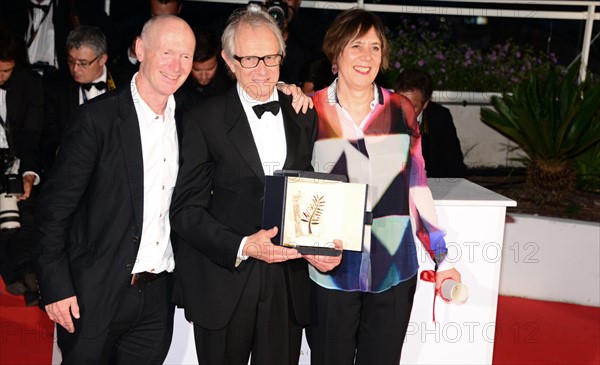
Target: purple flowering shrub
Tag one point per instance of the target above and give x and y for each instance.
(458, 66)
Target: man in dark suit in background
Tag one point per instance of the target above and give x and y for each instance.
(88, 77)
(130, 28)
(21, 122)
(299, 36)
(44, 25)
(243, 293)
(103, 249)
(439, 142)
(209, 76)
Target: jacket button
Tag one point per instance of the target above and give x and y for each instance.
(129, 267)
(136, 239)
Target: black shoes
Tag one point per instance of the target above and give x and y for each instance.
(27, 287)
(16, 288)
(32, 295)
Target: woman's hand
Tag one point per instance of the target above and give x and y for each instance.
(326, 263)
(440, 276)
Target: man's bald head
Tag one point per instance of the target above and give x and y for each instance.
(165, 50)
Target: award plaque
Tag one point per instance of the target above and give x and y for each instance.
(312, 209)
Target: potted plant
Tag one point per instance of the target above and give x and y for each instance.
(554, 119)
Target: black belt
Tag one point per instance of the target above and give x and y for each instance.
(146, 277)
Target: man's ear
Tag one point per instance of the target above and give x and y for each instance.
(139, 45)
(103, 59)
(228, 62)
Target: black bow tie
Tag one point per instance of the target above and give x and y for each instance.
(271, 106)
(4, 86)
(101, 85)
(44, 8)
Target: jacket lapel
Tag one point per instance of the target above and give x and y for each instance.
(131, 145)
(292, 132)
(240, 133)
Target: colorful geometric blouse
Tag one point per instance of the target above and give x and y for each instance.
(384, 151)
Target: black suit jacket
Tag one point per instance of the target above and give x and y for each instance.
(218, 200)
(62, 97)
(25, 116)
(440, 144)
(191, 91)
(90, 211)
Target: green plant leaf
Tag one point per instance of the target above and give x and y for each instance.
(550, 116)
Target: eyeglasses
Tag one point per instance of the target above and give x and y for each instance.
(270, 60)
(82, 63)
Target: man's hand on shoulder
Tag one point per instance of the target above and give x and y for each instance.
(300, 101)
(260, 247)
(61, 311)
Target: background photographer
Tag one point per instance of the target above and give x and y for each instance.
(21, 122)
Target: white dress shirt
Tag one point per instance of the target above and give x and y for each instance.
(92, 92)
(161, 163)
(42, 47)
(269, 137)
(268, 133)
(3, 141)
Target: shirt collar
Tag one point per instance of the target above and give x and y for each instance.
(102, 76)
(248, 102)
(333, 97)
(144, 108)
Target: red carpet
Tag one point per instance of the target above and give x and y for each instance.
(527, 332)
(26, 333)
(538, 332)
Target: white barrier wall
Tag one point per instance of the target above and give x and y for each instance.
(480, 144)
(473, 218)
(551, 259)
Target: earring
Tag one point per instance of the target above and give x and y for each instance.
(334, 69)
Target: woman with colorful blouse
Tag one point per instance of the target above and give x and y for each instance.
(361, 309)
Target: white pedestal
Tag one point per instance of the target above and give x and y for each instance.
(473, 218)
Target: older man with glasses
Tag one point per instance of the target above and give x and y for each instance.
(88, 77)
(244, 294)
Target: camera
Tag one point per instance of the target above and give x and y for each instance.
(11, 186)
(277, 9)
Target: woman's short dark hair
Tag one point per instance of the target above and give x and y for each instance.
(352, 24)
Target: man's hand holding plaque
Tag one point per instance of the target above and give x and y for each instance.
(260, 247)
